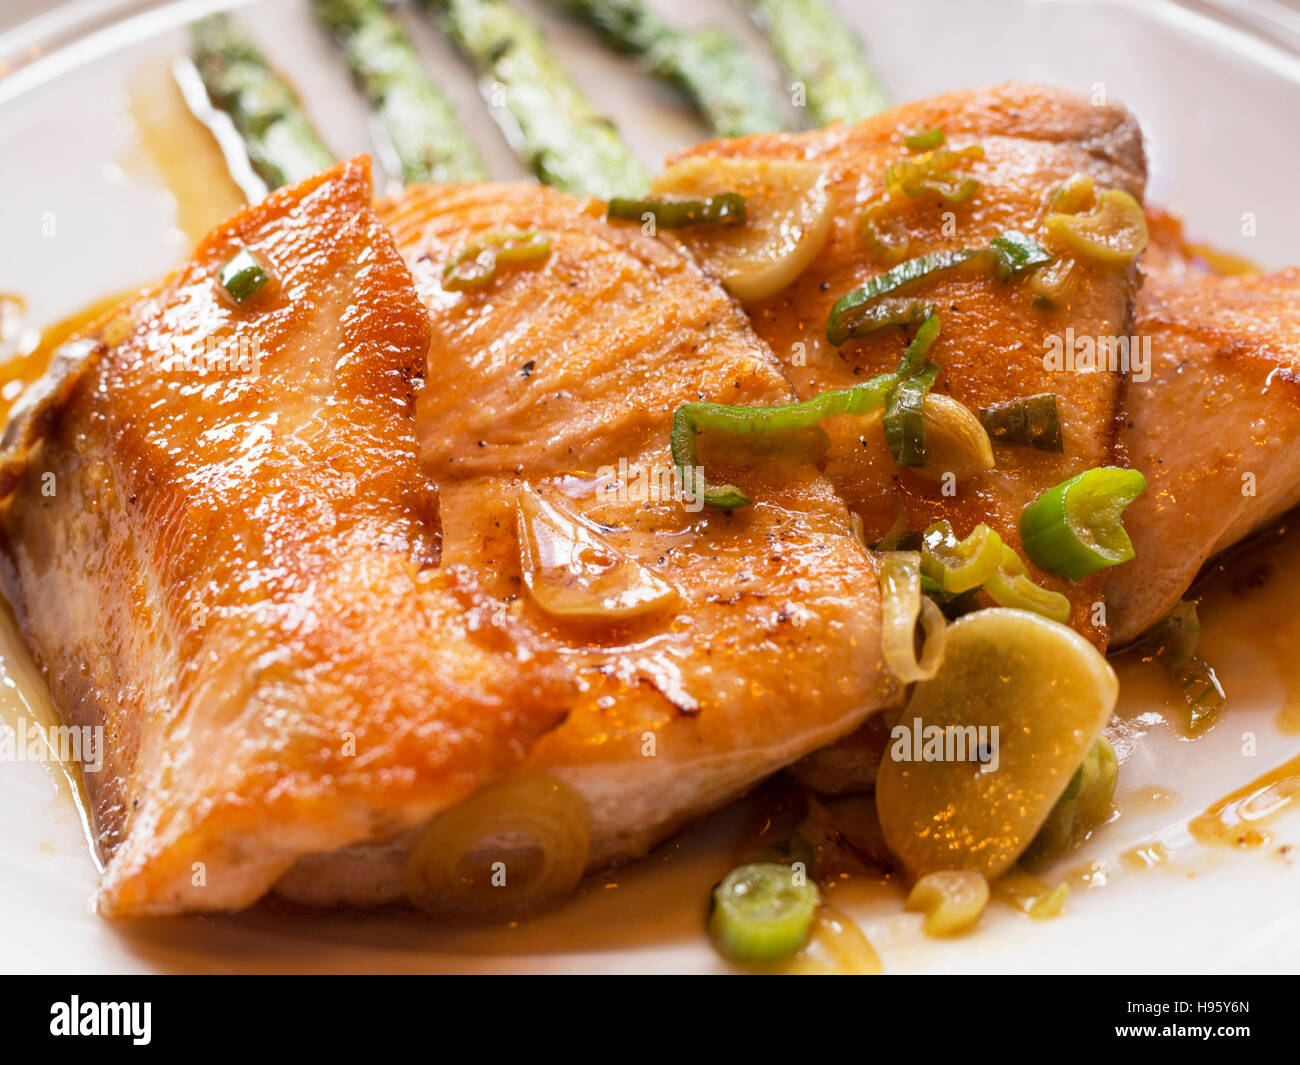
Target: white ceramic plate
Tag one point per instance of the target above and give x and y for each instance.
(83, 214)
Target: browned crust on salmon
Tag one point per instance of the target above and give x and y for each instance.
(994, 337)
(572, 365)
(1214, 430)
(236, 576)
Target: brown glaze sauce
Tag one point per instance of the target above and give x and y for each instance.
(1235, 820)
(33, 357)
(1146, 856)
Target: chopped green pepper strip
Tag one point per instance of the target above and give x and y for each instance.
(1075, 528)
(1175, 640)
(1030, 422)
(725, 209)
(476, 263)
(1009, 254)
(689, 418)
(1010, 585)
(243, 276)
(763, 912)
(958, 566)
(920, 140)
(904, 418)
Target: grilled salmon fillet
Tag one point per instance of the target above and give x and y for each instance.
(993, 339)
(293, 601)
(235, 573)
(1221, 403)
(560, 380)
(1216, 429)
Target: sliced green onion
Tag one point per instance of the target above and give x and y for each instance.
(1013, 253)
(1176, 639)
(244, 276)
(1053, 282)
(1073, 196)
(958, 566)
(920, 140)
(1075, 528)
(1033, 422)
(884, 313)
(477, 262)
(1010, 585)
(689, 418)
(934, 173)
(931, 587)
(1201, 688)
(901, 605)
(883, 232)
(763, 912)
(851, 307)
(891, 539)
(902, 394)
(1083, 805)
(1010, 253)
(725, 209)
(955, 187)
(1113, 232)
(904, 418)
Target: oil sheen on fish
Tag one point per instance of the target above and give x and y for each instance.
(296, 610)
(224, 553)
(994, 338)
(560, 379)
(1216, 429)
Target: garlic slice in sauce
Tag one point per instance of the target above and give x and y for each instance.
(1030, 696)
(574, 571)
(788, 213)
(955, 441)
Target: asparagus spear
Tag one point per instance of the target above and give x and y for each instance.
(824, 55)
(427, 138)
(560, 135)
(708, 65)
(282, 145)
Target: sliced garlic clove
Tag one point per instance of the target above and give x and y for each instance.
(787, 219)
(952, 900)
(1037, 694)
(955, 441)
(573, 571)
